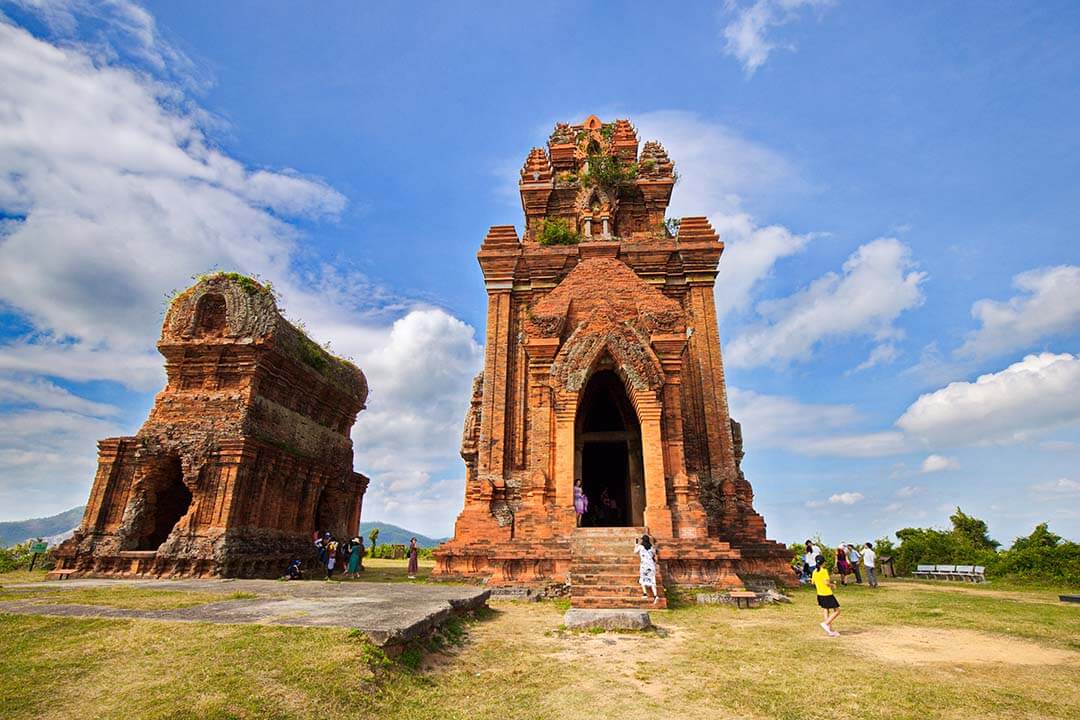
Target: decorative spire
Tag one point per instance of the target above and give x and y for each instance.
(624, 141)
(561, 135)
(654, 162)
(537, 168)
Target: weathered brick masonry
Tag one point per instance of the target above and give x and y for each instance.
(245, 453)
(603, 363)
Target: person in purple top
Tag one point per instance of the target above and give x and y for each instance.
(581, 501)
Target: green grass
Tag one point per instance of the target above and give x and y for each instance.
(702, 662)
(385, 570)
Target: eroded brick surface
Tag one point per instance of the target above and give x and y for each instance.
(245, 453)
(631, 298)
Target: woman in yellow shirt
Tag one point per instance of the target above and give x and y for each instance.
(825, 598)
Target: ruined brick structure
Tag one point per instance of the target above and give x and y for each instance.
(245, 453)
(603, 363)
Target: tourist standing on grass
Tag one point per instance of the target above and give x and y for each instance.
(811, 553)
(853, 561)
(331, 556)
(826, 600)
(414, 559)
(869, 559)
(647, 568)
(320, 549)
(842, 566)
(356, 547)
(581, 501)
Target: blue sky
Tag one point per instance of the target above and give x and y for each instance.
(896, 186)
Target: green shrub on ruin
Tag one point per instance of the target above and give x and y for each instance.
(556, 231)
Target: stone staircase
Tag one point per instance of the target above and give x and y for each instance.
(604, 570)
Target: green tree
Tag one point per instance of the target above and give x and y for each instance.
(373, 536)
(972, 531)
(1040, 537)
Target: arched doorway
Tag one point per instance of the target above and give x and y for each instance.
(608, 453)
(168, 500)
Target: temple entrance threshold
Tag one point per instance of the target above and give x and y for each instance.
(608, 457)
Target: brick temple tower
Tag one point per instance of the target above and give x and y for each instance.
(603, 364)
(246, 451)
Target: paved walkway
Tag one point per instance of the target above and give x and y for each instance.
(388, 613)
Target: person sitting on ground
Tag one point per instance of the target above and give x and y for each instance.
(826, 600)
(869, 559)
(647, 567)
(293, 571)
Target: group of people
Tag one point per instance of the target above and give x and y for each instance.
(815, 571)
(331, 554)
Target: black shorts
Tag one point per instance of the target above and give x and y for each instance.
(829, 602)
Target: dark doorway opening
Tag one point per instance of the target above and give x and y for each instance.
(608, 453)
(169, 500)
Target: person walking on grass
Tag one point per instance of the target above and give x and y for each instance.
(853, 561)
(414, 559)
(826, 600)
(869, 559)
(647, 567)
(842, 566)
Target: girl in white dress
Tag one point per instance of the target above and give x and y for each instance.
(647, 570)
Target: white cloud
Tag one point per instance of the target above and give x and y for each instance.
(22, 391)
(937, 463)
(121, 195)
(877, 284)
(780, 421)
(863, 445)
(746, 35)
(908, 491)
(124, 197)
(881, 355)
(1061, 486)
(750, 253)
(1036, 394)
(718, 169)
(47, 460)
(845, 498)
(421, 378)
(1049, 305)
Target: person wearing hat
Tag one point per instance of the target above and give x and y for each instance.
(356, 551)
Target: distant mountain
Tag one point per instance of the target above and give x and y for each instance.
(394, 535)
(59, 527)
(53, 528)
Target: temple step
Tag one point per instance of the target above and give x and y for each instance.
(604, 569)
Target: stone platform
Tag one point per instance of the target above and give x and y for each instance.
(390, 614)
(607, 619)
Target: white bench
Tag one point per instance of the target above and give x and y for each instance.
(924, 571)
(968, 573)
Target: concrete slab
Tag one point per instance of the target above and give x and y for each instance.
(388, 613)
(607, 619)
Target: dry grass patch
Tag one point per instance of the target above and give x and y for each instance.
(126, 597)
